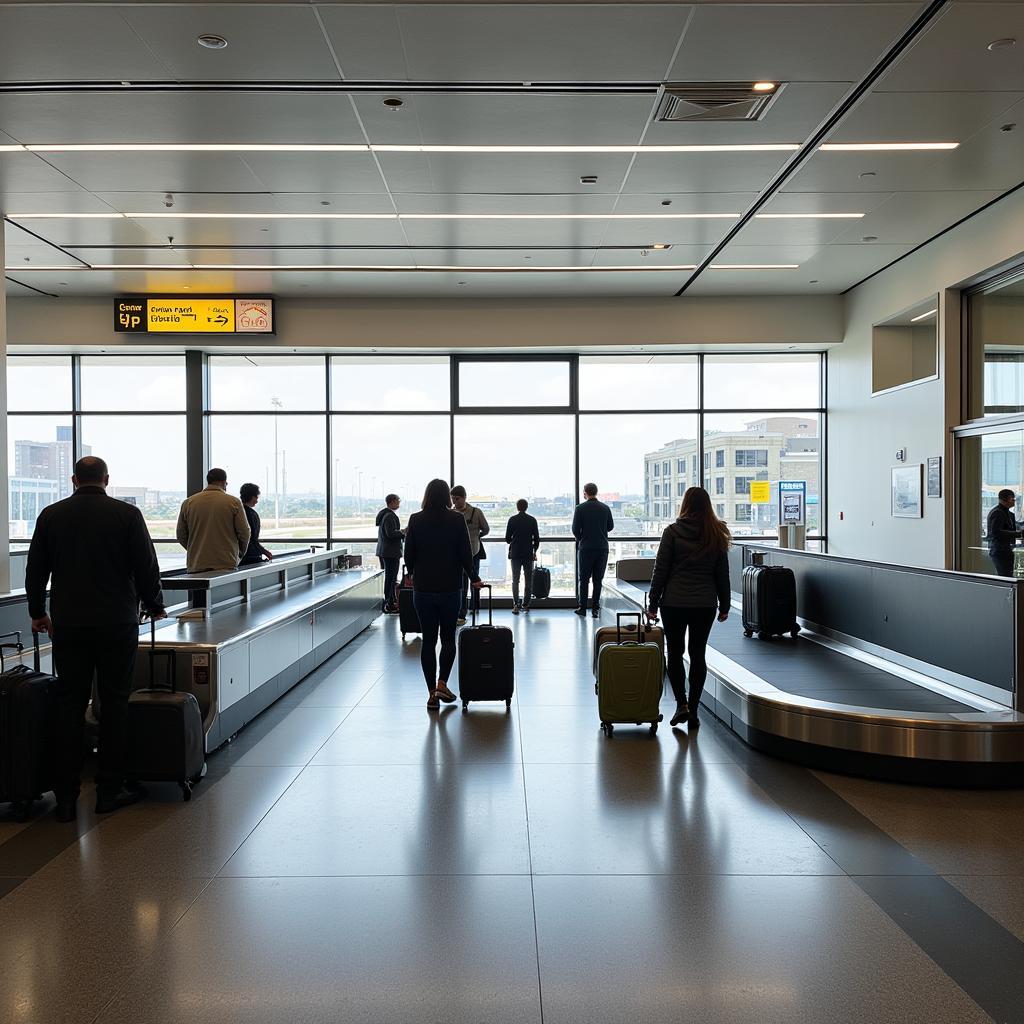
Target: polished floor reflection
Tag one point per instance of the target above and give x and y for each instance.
(354, 858)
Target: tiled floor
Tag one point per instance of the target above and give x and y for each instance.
(354, 858)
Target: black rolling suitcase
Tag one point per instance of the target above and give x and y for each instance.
(166, 742)
(28, 716)
(769, 601)
(486, 668)
(408, 620)
(541, 583)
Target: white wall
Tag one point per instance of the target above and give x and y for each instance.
(865, 432)
(771, 321)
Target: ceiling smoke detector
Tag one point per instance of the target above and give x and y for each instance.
(211, 41)
(716, 101)
(393, 102)
(588, 179)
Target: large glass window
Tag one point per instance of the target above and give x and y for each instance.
(133, 383)
(624, 382)
(762, 381)
(40, 460)
(393, 383)
(490, 383)
(996, 316)
(39, 384)
(249, 383)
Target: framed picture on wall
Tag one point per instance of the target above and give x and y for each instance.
(906, 492)
(934, 477)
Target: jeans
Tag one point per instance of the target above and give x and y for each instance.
(437, 614)
(390, 567)
(676, 621)
(524, 566)
(591, 565)
(465, 590)
(1003, 561)
(108, 652)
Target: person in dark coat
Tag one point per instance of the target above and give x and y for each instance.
(523, 540)
(690, 585)
(249, 495)
(97, 556)
(437, 554)
(1002, 532)
(389, 549)
(591, 523)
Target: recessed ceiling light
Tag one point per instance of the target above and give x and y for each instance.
(809, 216)
(661, 245)
(666, 202)
(211, 41)
(1002, 44)
(393, 102)
(425, 268)
(588, 179)
(11, 149)
(894, 147)
(763, 87)
(923, 316)
(66, 216)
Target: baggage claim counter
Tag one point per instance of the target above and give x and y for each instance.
(900, 672)
(249, 635)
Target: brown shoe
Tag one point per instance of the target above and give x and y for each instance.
(444, 693)
(433, 703)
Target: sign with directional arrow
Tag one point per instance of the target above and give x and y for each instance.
(177, 315)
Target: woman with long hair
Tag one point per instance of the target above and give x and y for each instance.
(437, 553)
(691, 586)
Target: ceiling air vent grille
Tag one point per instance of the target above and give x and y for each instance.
(714, 101)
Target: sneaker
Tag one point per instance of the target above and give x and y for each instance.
(581, 611)
(434, 702)
(443, 693)
(682, 713)
(107, 802)
(595, 612)
(515, 609)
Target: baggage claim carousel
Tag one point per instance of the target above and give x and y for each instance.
(900, 673)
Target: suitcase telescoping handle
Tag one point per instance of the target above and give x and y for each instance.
(17, 646)
(619, 616)
(490, 605)
(36, 655)
(171, 655)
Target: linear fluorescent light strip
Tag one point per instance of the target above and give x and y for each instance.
(444, 268)
(923, 316)
(241, 147)
(428, 216)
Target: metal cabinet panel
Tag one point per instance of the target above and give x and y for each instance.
(273, 652)
(232, 675)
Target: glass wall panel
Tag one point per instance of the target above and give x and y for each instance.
(996, 346)
(146, 459)
(639, 463)
(557, 556)
(291, 383)
(398, 383)
(286, 456)
(39, 383)
(379, 455)
(624, 382)
(40, 462)
(133, 383)
(743, 447)
(529, 383)
(768, 381)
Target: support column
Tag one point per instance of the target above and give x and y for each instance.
(5, 516)
(195, 422)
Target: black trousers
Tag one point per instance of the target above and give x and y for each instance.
(1003, 561)
(676, 622)
(465, 590)
(390, 567)
(525, 567)
(79, 653)
(438, 614)
(591, 566)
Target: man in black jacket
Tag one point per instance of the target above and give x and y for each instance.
(1001, 530)
(389, 549)
(97, 556)
(523, 539)
(591, 524)
(249, 496)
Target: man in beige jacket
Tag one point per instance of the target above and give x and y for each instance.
(212, 526)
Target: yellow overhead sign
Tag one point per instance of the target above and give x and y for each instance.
(760, 492)
(191, 316)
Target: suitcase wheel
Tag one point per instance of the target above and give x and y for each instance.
(748, 632)
(465, 705)
(607, 728)
(403, 638)
(508, 704)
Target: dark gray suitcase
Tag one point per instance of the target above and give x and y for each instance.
(769, 601)
(166, 742)
(408, 620)
(486, 665)
(541, 582)
(28, 715)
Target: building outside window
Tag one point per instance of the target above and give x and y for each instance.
(719, 459)
(657, 490)
(720, 511)
(743, 484)
(752, 457)
(719, 485)
(657, 469)
(744, 513)
(680, 488)
(680, 465)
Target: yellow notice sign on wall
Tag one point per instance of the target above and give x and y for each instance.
(191, 316)
(760, 492)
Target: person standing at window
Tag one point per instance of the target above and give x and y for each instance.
(212, 527)
(1002, 532)
(438, 555)
(249, 494)
(591, 523)
(690, 585)
(389, 549)
(523, 539)
(476, 523)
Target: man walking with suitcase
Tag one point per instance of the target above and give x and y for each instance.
(591, 524)
(97, 556)
(523, 538)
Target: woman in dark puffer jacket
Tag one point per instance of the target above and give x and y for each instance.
(691, 586)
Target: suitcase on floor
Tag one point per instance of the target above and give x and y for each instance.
(630, 675)
(540, 584)
(28, 716)
(166, 742)
(486, 667)
(408, 620)
(642, 632)
(769, 601)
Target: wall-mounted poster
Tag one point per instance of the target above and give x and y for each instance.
(935, 477)
(906, 492)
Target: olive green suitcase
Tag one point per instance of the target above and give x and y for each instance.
(629, 682)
